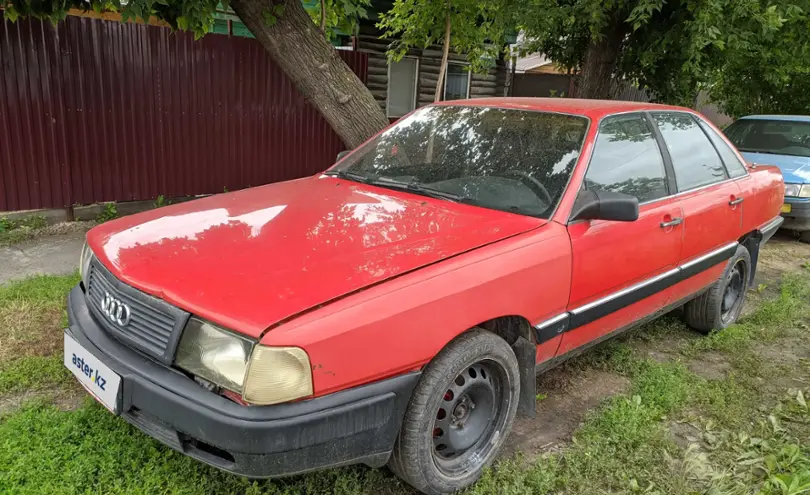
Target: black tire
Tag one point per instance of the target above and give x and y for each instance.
(418, 457)
(804, 236)
(720, 306)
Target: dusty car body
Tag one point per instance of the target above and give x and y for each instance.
(396, 308)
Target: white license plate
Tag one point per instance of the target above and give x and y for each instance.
(95, 376)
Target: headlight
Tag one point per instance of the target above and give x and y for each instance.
(84, 263)
(262, 375)
(214, 354)
(277, 374)
(797, 190)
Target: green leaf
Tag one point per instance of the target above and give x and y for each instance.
(10, 13)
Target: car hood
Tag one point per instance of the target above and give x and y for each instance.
(249, 259)
(795, 169)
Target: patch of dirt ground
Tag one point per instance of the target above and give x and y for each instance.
(784, 254)
(66, 399)
(710, 365)
(569, 395)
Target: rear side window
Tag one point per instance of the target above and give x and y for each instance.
(694, 159)
(626, 159)
(734, 167)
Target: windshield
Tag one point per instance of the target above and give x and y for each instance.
(510, 160)
(779, 137)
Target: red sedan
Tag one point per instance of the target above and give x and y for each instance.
(396, 308)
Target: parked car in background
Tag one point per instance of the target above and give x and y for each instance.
(396, 308)
(784, 141)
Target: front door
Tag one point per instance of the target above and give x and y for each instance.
(621, 270)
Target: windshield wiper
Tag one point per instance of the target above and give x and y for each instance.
(418, 188)
(349, 176)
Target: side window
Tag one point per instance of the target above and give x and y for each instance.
(694, 159)
(733, 164)
(626, 159)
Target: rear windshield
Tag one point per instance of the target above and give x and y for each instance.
(511, 160)
(779, 137)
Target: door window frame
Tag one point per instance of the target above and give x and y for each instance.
(669, 172)
(707, 128)
(668, 157)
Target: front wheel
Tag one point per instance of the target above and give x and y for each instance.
(721, 305)
(459, 415)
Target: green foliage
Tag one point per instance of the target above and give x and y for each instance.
(752, 56)
(109, 212)
(767, 70)
(160, 201)
(341, 15)
(15, 231)
(31, 222)
(478, 28)
(196, 16)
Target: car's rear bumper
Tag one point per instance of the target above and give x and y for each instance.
(358, 425)
(799, 216)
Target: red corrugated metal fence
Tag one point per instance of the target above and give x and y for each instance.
(96, 110)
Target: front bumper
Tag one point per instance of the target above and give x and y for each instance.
(799, 216)
(358, 425)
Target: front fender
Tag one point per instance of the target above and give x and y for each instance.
(400, 325)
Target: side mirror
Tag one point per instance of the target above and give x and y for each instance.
(342, 154)
(605, 205)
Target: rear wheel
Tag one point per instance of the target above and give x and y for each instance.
(721, 305)
(805, 236)
(460, 414)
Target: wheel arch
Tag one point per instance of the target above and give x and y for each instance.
(752, 241)
(518, 332)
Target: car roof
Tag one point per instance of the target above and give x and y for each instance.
(594, 109)
(794, 118)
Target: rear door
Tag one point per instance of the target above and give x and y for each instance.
(754, 201)
(621, 270)
(712, 201)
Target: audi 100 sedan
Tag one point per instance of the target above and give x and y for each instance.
(396, 308)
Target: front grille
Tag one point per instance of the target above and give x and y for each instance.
(154, 326)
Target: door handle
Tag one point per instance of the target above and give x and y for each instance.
(672, 223)
(735, 202)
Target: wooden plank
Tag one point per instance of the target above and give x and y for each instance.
(380, 80)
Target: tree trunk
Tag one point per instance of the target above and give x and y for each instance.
(437, 96)
(600, 63)
(313, 65)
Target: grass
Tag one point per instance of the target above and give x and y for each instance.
(746, 432)
(16, 231)
(32, 316)
(32, 373)
(45, 450)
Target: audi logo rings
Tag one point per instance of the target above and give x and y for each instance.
(115, 310)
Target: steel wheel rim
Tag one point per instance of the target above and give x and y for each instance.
(469, 417)
(734, 291)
